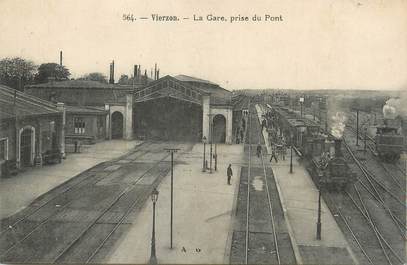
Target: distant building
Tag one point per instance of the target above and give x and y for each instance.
(29, 127)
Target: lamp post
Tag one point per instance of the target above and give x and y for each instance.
(154, 198)
(291, 154)
(215, 156)
(172, 151)
(357, 127)
(211, 139)
(319, 224)
(204, 151)
(364, 148)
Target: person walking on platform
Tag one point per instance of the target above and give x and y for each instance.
(263, 124)
(258, 150)
(229, 173)
(273, 154)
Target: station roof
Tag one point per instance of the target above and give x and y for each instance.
(74, 84)
(25, 105)
(95, 93)
(219, 95)
(162, 87)
(186, 78)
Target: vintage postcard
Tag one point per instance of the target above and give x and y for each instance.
(203, 132)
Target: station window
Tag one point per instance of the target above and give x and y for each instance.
(3, 149)
(79, 126)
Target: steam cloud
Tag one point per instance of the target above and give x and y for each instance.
(338, 124)
(395, 107)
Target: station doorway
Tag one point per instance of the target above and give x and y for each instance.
(168, 119)
(117, 125)
(219, 129)
(26, 144)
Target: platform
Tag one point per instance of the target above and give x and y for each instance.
(299, 197)
(203, 204)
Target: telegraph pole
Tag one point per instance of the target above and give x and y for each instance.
(172, 151)
(357, 127)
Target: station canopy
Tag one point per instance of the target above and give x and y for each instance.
(183, 88)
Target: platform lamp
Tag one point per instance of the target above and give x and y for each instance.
(154, 198)
(319, 223)
(204, 151)
(291, 152)
(211, 140)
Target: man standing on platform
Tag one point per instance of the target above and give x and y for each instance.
(273, 154)
(229, 173)
(258, 150)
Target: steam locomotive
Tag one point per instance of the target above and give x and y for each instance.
(321, 152)
(389, 142)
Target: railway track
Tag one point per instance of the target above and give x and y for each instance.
(85, 244)
(63, 256)
(260, 235)
(252, 234)
(361, 202)
(66, 187)
(387, 189)
(379, 232)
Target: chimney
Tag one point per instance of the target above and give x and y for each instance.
(145, 76)
(338, 144)
(60, 58)
(158, 73)
(111, 80)
(139, 72)
(155, 71)
(151, 74)
(135, 71)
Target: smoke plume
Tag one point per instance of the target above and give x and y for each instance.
(395, 107)
(338, 124)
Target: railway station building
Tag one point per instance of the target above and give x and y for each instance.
(29, 127)
(95, 111)
(169, 108)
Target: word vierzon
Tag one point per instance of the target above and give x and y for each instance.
(210, 17)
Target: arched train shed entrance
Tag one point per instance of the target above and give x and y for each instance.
(117, 125)
(219, 128)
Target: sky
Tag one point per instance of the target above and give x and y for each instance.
(320, 44)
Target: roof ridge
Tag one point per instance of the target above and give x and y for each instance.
(23, 96)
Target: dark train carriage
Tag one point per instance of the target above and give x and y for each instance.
(389, 143)
(321, 152)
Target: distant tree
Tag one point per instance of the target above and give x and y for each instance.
(47, 70)
(94, 77)
(124, 80)
(17, 72)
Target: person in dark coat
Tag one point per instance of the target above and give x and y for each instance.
(258, 150)
(273, 154)
(263, 124)
(229, 173)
